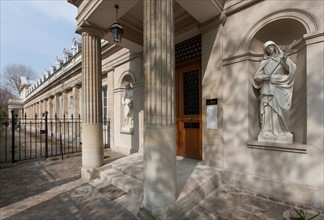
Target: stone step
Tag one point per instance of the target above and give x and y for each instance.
(130, 185)
(131, 165)
(132, 200)
(131, 203)
(195, 181)
(204, 180)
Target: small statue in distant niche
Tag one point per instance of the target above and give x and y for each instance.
(275, 79)
(127, 101)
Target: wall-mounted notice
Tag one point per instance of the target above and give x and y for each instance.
(211, 113)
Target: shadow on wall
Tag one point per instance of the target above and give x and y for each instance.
(138, 106)
(281, 174)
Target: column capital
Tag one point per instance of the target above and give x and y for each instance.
(88, 28)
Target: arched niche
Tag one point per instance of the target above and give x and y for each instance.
(283, 32)
(126, 78)
(126, 135)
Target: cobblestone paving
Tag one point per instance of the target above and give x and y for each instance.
(228, 202)
(53, 189)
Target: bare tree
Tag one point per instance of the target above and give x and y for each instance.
(5, 95)
(12, 73)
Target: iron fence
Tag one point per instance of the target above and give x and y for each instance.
(41, 137)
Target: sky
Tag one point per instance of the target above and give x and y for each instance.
(35, 32)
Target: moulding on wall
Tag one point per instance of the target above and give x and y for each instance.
(124, 74)
(130, 131)
(314, 38)
(242, 57)
(309, 21)
(294, 148)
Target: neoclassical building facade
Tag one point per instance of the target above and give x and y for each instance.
(181, 83)
(59, 92)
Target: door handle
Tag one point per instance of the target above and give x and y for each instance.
(190, 118)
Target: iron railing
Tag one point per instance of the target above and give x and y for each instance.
(42, 137)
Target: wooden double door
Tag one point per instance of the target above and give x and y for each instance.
(189, 129)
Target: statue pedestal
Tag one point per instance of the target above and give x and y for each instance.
(127, 130)
(287, 139)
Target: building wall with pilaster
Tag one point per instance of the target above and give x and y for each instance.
(54, 94)
(230, 61)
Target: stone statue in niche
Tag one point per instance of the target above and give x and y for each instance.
(275, 79)
(127, 102)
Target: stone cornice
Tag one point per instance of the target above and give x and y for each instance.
(84, 9)
(231, 7)
(57, 81)
(213, 23)
(76, 3)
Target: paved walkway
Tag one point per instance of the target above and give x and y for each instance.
(53, 189)
(228, 202)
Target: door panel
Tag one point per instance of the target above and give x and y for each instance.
(189, 111)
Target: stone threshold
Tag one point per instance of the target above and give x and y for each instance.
(293, 148)
(195, 181)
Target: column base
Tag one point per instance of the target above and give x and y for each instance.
(158, 202)
(159, 167)
(88, 174)
(92, 146)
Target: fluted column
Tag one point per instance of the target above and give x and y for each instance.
(159, 115)
(57, 105)
(34, 110)
(92, 140)
(65, 102)
(76, 101)
(51, 107)
(40, 108)
(46, 105)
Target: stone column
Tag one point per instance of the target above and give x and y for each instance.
(46, 105)
(34, 110)
(40, 109)
(92, 139)
(159, 111)
(76, 101)
(57, 105)
(43, 106)
(37, 108)
(51, 107)
(65, 96)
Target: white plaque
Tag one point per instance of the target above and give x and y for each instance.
(211, 115)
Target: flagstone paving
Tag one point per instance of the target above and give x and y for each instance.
(52, 189)
(227, 202)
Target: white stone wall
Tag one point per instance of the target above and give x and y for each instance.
(132, 72)
(293, 176)
(212, 87)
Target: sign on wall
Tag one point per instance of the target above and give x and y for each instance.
(211, 113)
